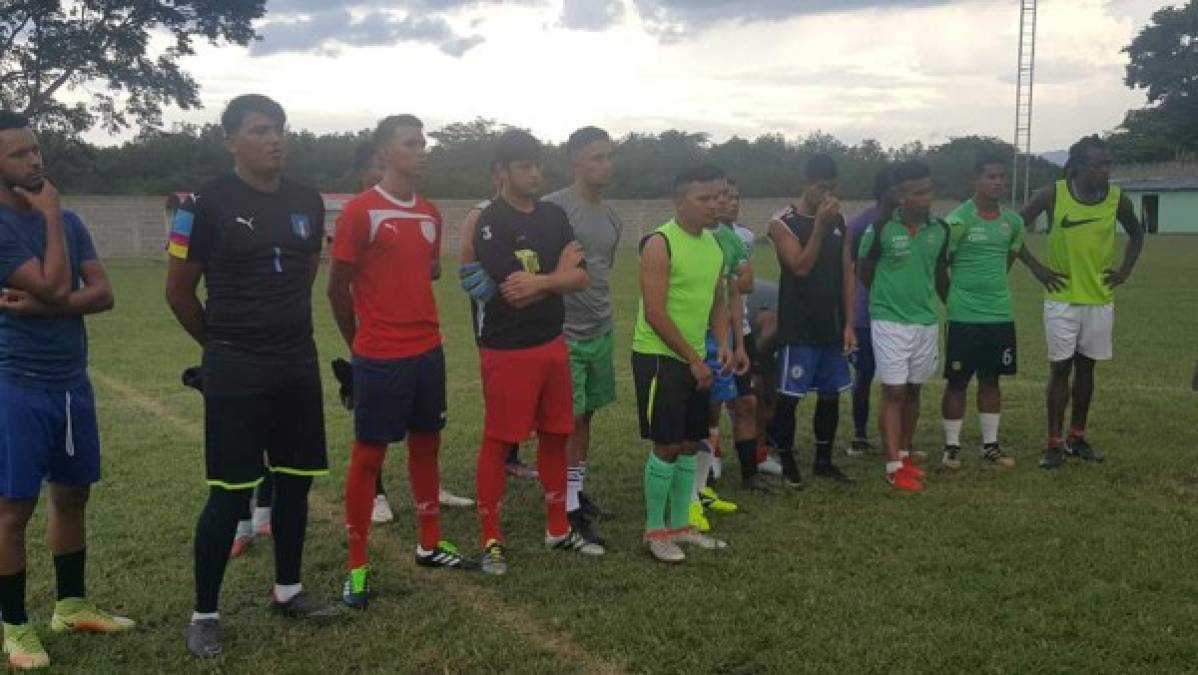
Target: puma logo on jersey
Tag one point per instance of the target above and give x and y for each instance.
(1067, 223)
(390, 226)
(248, 222)
(486, 232)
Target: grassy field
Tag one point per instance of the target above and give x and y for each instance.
(1087, 570)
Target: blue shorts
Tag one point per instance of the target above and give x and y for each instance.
(804, 368)
(723, 387)
(47, 434)
(393, 396)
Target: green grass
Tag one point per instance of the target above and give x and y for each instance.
(1085, 570)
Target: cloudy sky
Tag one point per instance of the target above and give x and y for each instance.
(896, 70)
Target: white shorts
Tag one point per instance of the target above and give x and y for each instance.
(1078, 329)
(905, 353)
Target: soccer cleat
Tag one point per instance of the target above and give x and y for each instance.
(262, 530)
(82, 616)
(697, 518)
(203, 637)
(445, 555)
(770, 465)
(662, 546)
(831, 472)
(241, 544)
(859, 447)
(689, 537)
(356, 591)
(711, 500)
(757, 483)
(518, 469)
(1053, 458)
(791, 477)
(23, 647)
(448, 498)
(381, 513)
(573, 541)
(1079, 448)
(904, 481)
(910, 467)
(582, 524)
(493, 561)
(951, 459)
(593, 510)
(992, 453)
(304, 606)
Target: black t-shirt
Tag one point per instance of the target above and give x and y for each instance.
(257, 250)
(507, 240)
(811, 308)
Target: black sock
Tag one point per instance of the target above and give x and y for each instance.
(68, 569)
(266, 491)
(783, 429)
(746, 452)
(827, 417)
(12, 598)
(214, 537)
(289, 523)
(378, 485)
(513, 453)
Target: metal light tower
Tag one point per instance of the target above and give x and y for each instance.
(1025, 80)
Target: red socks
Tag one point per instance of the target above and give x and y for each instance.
(364, 466)
(424, 474)
(491, 481)
(551, 468)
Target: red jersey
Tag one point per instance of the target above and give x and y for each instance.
(392, 245)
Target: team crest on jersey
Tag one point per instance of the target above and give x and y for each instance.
(300, 225)
(1005, 228)
(796, 372)
(957, 365)
(429, 229)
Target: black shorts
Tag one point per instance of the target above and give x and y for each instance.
(984, 348)
(282, 425)
(392, 396)
(744, 383)
(669, 403)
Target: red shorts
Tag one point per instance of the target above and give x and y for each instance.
(528, 390)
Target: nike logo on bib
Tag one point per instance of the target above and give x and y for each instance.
(1066, 223)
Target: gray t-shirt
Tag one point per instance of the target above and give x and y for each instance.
(598, 229)
(764, 297)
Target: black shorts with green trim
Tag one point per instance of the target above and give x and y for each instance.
(280, 428)
(669, 403)
(985, 349)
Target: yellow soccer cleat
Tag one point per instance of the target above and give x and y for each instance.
(80, 615)
(711, 500)
(698, 519)
(23, 648)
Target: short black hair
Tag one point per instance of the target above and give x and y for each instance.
(819, 167)
(910, 170)
(516, 145)
(883, 182)
(241, 107)
(1079, 152)
(704, 173)
(988, 159)
(387, 126)
(364, 155)
(12, 120)
(584, 137)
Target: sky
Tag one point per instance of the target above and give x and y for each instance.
(895, 71)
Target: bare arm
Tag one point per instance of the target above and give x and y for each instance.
(466, 237)
(182, 279)
(744, 278)
(48, 280)
(792, 255)
(1040, 203)
(94, 297)
(1135, 243)
(341, 299)
(865, 271)
(942, 279)
(655, 287)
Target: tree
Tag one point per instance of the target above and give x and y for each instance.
(1163, 60)
(51, 47)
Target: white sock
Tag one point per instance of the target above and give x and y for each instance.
(200, 616)
(261, 516)
(573, 487)
(891, 467)
(245, 528)
(702, 470)
(989, 423)
(952, 432)
(285, 592)
(903, 454)
(714, 433)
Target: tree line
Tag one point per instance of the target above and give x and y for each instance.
(162, 162)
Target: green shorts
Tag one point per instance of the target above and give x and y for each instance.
(593, 373)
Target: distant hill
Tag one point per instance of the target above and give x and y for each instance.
(1058, 157)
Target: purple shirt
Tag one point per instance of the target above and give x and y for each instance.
(857, 228)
